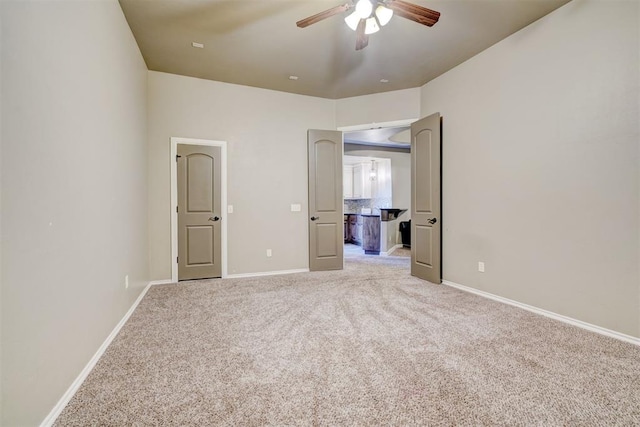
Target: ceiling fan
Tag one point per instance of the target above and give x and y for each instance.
(369, 15)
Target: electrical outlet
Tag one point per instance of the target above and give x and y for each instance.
(268, 253)
(481, 267)
(126, 281)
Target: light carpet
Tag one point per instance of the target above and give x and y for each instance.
(405, 252)
(369, 345)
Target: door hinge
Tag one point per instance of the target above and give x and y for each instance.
(177, 259)
(177, 209)
(177, 157)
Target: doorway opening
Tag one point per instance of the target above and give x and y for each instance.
(326, 192)
(377, 186)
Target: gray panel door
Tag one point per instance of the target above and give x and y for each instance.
(426, 225)
(199, 212)
(326, 221)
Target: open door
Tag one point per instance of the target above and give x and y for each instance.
(426, 227)
(325, 200)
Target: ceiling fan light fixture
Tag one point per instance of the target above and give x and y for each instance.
(352, 20)
(384, 15)
(364, 8)
(371, 26)
(364, 20)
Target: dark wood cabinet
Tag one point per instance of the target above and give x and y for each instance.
(363, 230)
(371, 235)
(345, 231)
(353, 229)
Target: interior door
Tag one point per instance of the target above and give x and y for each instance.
(326, 220)
(426, 225)
(199, 212)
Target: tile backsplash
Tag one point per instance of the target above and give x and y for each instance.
(355, 205)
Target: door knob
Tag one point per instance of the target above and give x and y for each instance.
(214, 218)
(313, 218)
(432, 221)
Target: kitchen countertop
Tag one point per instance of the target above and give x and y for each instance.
(391, 214)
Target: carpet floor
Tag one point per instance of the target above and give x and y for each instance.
(405, 252)
(368, 345)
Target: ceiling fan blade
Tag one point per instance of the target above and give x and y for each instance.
(362, 39)
(323, 15)
(416, 13)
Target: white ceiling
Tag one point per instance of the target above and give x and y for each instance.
(357, 160)
(395, 137)
(256, 42)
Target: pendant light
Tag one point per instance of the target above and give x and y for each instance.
(372, 173)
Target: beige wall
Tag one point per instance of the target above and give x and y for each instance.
(266, 133)
(541, 165)
(1, 84)
(73, 193)
(540, 162)
(378, 108)
(1, 287)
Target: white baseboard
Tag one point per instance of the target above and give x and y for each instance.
(546, 313)
(161, 282)
(240, 275)
(66, 397)
(390, 251)
(266, 273)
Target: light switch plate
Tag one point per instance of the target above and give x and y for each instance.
(230, 209)
(481, 267)
(296, 208)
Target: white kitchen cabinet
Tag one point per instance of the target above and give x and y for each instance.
(359, 182)
(383, 179)
(347, 181)
(362, 181)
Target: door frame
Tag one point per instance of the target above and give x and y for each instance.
(374, 125)
(174, 199)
